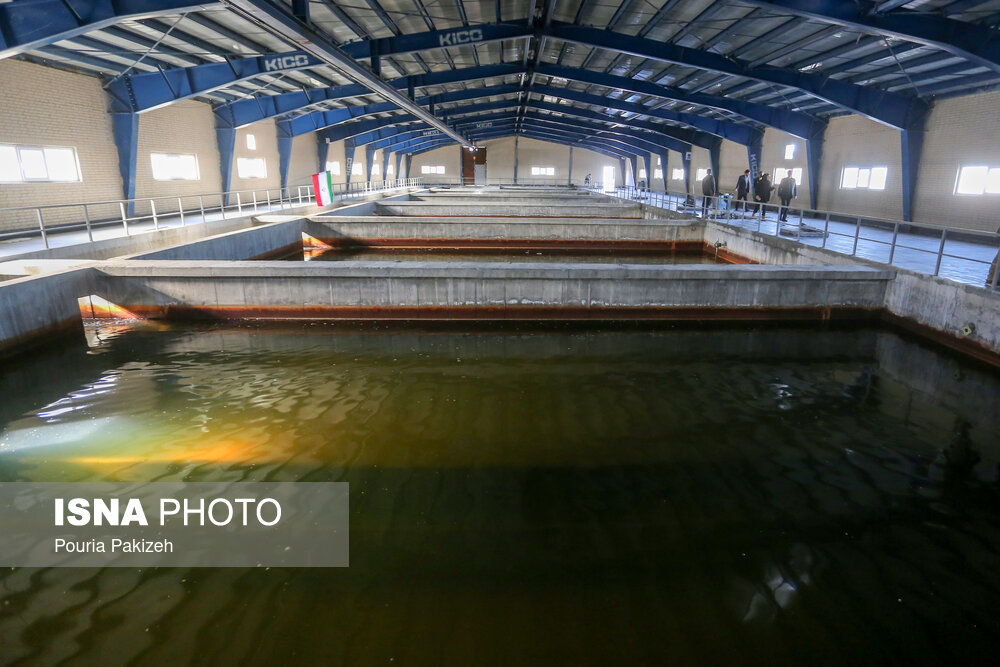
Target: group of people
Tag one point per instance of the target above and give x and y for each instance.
(762, 188)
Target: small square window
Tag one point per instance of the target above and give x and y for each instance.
(789, 151)
(333, 167)
(251, 142)
(677, 174)
(247, 167)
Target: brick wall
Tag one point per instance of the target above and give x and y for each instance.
(962, 131)
(305, 160)
(773, 157)
(448, 156)
(186, 127)
(858, 142)
(30, 115)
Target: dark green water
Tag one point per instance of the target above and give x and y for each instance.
(671, 498)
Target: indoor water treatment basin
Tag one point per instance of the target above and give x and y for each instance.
(555, 495)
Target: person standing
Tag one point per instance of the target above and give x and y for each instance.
(707, 192)
(743, 189)
(787, 191)
(761, 195)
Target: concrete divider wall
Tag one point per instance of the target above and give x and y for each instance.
(31, 309)
(265, 240)
(370, 289)
(579, 209)
(943, 306)
(567, 230)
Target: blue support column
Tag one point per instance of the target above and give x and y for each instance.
(664, 169)
(814, 158)
(515, 159)
(650, 169)
(284, 152)
(348, 159)
(399, 174)
(686, 163)
(624, 170)
(409, 165)
(385, 165)
(323, 153)
(126, 133)
(755, 152)
(634, 161)
(912, 145)
(369, 161)
(226, 136)
(715, 157)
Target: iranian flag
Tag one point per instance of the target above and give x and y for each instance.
(323, 187)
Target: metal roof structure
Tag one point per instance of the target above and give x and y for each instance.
(630, 77)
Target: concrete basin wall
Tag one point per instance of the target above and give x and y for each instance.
(566, 231)
(934, 307)
(582, 209)
(36, 308)
(376, 290)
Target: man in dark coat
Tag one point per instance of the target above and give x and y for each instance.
(761, 195)
(743, 189)
(787, 191)
(708, 192)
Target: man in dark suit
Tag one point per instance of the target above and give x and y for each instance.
(708, 192)
(743, 189)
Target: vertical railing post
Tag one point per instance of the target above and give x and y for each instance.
(254, 201)
(268, 193)
(156, 221)
(222, 206)
(86, 220)
(826, 230)
(121, 207)
(940, 255)
(41, 227)
(892, 248)
(201, 205)
(239, 205)
(857, 235)
(180, 208)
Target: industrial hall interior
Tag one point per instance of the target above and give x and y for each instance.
(559, 332)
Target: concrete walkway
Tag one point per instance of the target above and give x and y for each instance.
(963, 261)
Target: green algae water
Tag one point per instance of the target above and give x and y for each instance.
(730, 496)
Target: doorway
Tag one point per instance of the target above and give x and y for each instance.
(609, 179)
(474, 166)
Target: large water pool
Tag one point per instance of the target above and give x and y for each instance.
(729, 496)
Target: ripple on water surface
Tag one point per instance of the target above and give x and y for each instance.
(674, 497)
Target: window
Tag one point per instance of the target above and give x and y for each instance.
(390, 170)
(251, 142)
(780, 173)
(251, 167)
(978, 181)
(376, 170)
(356, 169)
(642, 173)
(677, 174)
(543, 171)
(658, 173)
(868, 178)
(174, 167)
(789, 151)
(432, 169)
(35, 163)
(700, 174)
(333, 167)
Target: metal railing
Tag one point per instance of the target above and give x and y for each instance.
(964, 255)
(154, 213)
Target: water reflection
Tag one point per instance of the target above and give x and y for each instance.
(687, 497)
